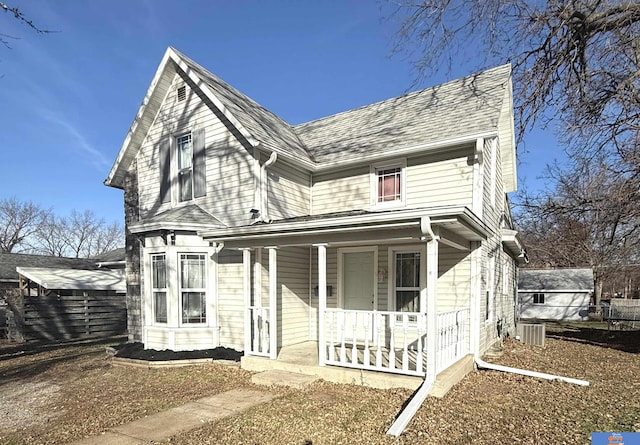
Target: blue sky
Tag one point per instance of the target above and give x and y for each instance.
(68, 98)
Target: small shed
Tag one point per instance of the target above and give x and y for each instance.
(555, 294)
(53, 298)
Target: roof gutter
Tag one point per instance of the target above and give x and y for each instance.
(432, 146)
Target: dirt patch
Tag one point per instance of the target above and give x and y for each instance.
(23, 405)
(138, 352)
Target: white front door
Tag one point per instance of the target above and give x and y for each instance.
(358, 280)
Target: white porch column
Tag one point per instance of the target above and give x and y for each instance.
(246, 279)
(273, 302)
(432, 307)
(322, 301)
(475, 297)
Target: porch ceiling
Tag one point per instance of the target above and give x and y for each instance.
(456, 227)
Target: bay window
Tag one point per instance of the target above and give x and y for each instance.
(193, 287)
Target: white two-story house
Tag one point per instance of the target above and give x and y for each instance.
(380, 237)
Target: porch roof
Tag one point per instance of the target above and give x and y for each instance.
(456, 226)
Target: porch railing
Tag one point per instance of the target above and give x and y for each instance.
(260, 332)
(376, 340)
(453, 339)
(393, 341)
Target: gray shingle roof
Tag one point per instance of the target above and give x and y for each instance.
(187, 216)
(555, 279)
(9, 262)
(264, 126)
(460, 107)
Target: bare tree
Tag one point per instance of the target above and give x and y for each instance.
(591, 219)
(82, 235)
(21, 17)
(575, 62)
(19, 222)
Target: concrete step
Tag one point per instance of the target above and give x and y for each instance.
(450, 376)
(283, 378)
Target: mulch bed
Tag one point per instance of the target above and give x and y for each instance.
(136, 351)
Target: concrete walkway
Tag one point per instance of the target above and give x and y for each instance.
(160, 426)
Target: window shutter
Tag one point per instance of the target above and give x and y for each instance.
(199, 164)
(165, 171)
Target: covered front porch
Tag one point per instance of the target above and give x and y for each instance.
(375, 294)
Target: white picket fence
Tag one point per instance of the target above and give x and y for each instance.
(260, 339)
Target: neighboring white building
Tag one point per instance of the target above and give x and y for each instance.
(555, 294)
(381, 237)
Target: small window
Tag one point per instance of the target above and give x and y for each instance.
(193, 287)
(182, 93)
(159, 288)
(185, 167)
(387, 184)
(538, 298)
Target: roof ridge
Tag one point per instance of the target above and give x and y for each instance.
(407, 95)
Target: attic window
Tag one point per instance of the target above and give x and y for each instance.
(182, 93)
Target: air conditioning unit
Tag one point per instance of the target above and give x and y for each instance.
(531, 333)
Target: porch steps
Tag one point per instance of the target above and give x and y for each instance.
(283, 378)
(452, 375)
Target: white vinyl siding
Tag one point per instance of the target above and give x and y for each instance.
(431, 180)
(231, 299)
(288, 191)
(454, 275)
(341, 191)
(440, 180)
(293, 295)
(558, 305)
(228, 163)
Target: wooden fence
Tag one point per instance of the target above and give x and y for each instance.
(64, 317)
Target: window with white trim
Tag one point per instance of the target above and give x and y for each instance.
(185, 167)
(388, 184)
(159, 287)
(193, 296)
(407, 281)
(538, 298)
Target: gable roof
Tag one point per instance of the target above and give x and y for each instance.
(252, 122)
(455, 112)
(466, 107)
(9, 262)
(555, 280)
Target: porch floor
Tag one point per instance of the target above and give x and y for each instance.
(302, 358)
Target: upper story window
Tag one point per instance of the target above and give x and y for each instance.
(185, 167)
(388, 184)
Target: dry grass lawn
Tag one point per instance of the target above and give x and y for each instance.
(62, 394)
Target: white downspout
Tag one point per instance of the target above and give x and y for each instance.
(541, 375)
(263, 187)
(410, 410)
